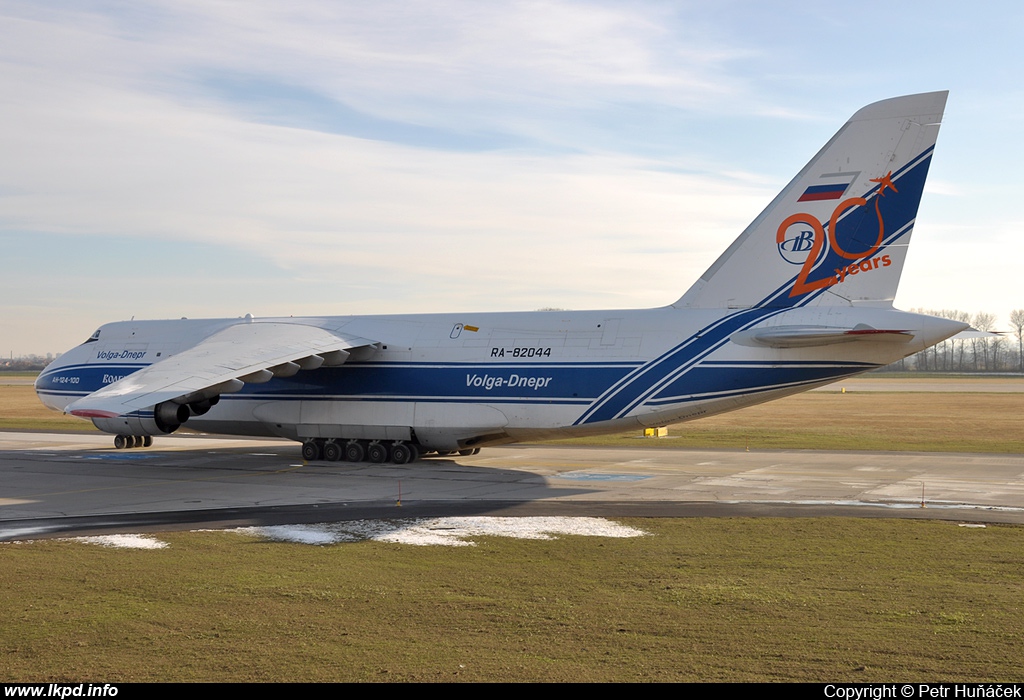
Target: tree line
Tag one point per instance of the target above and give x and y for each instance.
(25, 363)
(998, 353)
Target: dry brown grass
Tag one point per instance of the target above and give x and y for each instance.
(827, 600)
(20, 409)
(909, 421)
(936, 422)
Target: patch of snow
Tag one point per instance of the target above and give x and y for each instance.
(123, 541)
(450, 532)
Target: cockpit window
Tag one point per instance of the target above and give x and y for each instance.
(93, 338)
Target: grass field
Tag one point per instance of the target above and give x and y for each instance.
(699, 600)
(20, 409)
(929, 422)
(837, 600)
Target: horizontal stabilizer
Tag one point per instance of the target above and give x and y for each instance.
(975, 334)
(813, 336)
(222, 363)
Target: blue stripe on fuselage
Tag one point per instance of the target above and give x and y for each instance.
(480, 382)
(83, 378)
(707, 379)
(571, 382)
(619, 400)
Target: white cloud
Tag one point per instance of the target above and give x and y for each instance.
(514, 155)
(323, 204)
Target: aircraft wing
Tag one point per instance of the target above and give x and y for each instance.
(246, 353)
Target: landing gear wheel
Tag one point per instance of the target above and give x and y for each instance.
(333, 451)
(311, 451)
(120, 442)
(134, 441)
(469, 452)
(354, 451)
(377, 452)
(401, 453)
(147, 441)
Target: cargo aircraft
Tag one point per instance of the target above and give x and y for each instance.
(803, 297)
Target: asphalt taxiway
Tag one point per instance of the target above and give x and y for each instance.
(58, 483)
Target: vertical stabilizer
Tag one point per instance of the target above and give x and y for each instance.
(838, 233)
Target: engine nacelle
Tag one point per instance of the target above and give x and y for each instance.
(198, 408)
(165, 418)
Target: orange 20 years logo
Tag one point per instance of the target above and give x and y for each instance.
(801, 285)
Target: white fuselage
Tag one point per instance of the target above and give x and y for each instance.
(454, 380)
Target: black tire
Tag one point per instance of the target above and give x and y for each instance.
(120, 442)
(311, 451)
(469, 452)
(401, 453)
(333, 452)
(354, 451)
(147, 441)
(377, 452)
(416, 452)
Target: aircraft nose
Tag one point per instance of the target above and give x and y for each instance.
(39, 385)
(42, 382)
(52, 384)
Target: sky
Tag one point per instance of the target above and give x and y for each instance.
(212, 159)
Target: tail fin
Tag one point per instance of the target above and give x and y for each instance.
(838, 233)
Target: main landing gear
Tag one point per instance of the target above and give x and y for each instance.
(376, 451)
(122, 442)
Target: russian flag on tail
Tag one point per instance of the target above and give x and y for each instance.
(817, 193)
